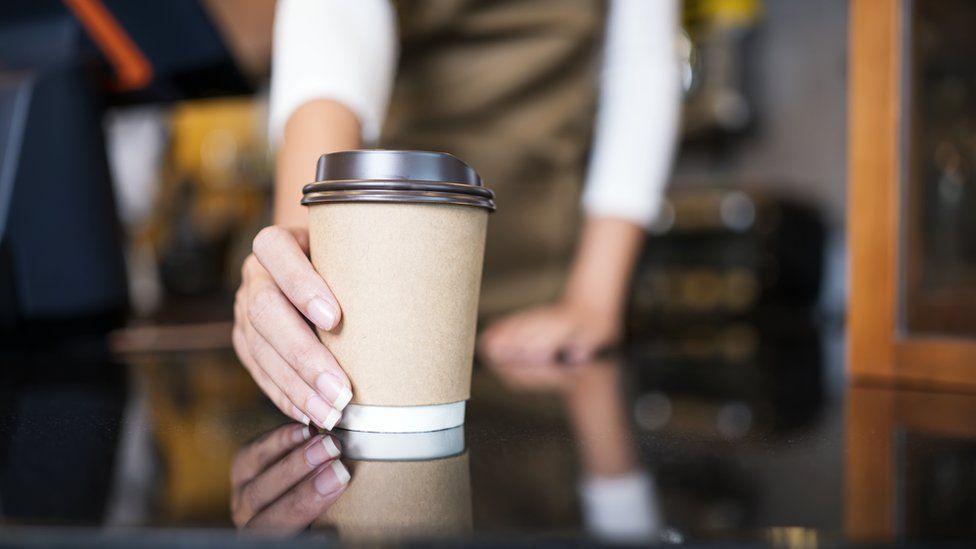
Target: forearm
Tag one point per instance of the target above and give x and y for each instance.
(315, 128)
(595, 406)
(599, 279)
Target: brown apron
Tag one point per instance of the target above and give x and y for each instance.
(509, 87)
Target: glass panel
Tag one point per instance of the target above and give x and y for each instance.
(940, 206)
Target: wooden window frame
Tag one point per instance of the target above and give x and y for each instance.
(879, 347)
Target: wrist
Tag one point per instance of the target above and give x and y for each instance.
(599, 280)
(597, 304)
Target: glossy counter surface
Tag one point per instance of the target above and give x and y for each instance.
(174, 447)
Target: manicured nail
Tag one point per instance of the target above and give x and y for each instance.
(298, 413)
(319, 409)
(322, 313)
(334, 390)
(331, 478)
(320, 451)
(330, 447)
(331, 419)
(341, 473)
(300, 434)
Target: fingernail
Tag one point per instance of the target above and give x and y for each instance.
(320, 451)
(334, 390)
(319, 409)
(331, 478)
(300, 434)
(322, 313)
(330, 447)
(341, 473)
(331, 419)
(301, 416)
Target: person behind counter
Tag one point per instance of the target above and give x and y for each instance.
(510, 88)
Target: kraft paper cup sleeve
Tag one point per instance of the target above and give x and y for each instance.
(407, 277)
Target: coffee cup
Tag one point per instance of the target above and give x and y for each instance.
(399, 236)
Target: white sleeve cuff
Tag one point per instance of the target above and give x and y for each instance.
(640, 209)
(639, 107)
(333, 49)
(623, 508)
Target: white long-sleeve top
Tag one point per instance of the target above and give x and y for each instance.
(347, 52)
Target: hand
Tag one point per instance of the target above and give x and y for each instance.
(553, 333)
(286, 479)
(279, 290)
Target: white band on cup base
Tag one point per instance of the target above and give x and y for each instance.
(362, 446)
(402, 419)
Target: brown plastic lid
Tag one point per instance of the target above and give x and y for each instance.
(396, 176)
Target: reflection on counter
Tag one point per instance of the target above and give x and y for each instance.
(61, 418)
(412, 486)
(283, 480)
(404, 486)
(553, 452)
(617, 493)
(366, 487)
(910, 457)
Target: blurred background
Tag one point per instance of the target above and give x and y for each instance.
(759, 175)
(745, 264)
(736, 376)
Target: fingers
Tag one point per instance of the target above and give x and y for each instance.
(581, 350)
(305, 502)
(542, 340)
(533, 337)
(257, 456)
(496, 341)
(271, 337)
(282, 254)
(285, 378)
(277, 479)
(282, 330)
(268, 387)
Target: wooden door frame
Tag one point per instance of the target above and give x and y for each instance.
(878, 346)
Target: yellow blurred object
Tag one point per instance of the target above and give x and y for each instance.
(211, 139)
(722, 12)
(197, 434)
(793, 537)
(216, 188)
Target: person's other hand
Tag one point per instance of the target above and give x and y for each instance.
(548, 334)
(286, 479)
(279, 290)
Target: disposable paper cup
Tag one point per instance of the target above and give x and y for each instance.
(399, 236)
(403, 486)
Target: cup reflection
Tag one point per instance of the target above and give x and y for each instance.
(404, 486)
(387, 486)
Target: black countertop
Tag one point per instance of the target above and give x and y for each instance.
(168, 447)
